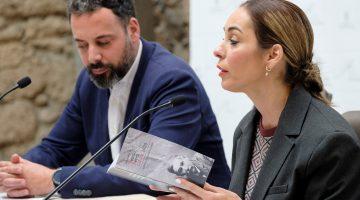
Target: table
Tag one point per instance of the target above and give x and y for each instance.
(125, 197)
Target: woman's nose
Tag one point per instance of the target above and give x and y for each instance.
(218, 52)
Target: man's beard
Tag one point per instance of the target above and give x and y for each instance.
(116, 72)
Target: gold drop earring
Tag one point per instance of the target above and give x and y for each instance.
(268, 70)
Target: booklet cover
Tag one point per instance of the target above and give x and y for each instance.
(150, 160)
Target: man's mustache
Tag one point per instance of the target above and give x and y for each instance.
(98, 65)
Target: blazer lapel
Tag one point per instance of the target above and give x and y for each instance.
(275, 158)
(147, 51)
(242, 153)
(290, 124)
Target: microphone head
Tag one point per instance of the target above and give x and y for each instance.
(24, 82)
(178, 100)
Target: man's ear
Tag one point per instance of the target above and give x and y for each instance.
(274, 55)
(133, 29)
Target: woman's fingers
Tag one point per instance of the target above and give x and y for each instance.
(184, 194)
(169, 197)
(212, 188)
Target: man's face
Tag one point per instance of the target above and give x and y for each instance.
(181, 165)
(106, 48)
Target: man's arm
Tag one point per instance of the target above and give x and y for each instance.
(95, 182)
(31, 179)
(65, 144)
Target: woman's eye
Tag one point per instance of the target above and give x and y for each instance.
(233, 42)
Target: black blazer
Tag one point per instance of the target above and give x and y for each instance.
(315, 154)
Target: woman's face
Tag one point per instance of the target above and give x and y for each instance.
(241, 60)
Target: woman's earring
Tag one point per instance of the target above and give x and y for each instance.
(268, 70)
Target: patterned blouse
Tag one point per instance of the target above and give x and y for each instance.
(261, 146)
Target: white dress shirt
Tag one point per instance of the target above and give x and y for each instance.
(119, 96)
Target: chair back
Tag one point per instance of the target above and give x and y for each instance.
(353, 117)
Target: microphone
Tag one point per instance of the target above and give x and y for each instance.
(20, 84)
(176, 101)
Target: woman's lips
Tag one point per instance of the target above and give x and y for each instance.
(222, 71)
(99, 71)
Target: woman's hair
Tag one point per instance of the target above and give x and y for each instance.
(282, 22)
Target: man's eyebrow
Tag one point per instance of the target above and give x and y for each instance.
(98, 37)
(78, 40)
(104, 36)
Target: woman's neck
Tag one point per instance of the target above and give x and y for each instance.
(270, 102)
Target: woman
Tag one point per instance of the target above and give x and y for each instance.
(292, 145)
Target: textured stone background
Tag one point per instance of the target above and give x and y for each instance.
(35, 40)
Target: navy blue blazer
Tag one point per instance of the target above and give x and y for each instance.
(83, 126)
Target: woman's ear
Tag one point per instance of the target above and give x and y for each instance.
(275, 55)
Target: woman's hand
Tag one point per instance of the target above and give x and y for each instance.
(194, 192)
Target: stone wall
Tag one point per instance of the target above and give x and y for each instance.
(172, 25)
(36, 41)
(167, 22)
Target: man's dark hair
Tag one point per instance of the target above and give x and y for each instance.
(124, 9)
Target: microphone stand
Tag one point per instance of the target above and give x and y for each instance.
(69, 178)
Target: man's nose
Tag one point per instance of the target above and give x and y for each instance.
(94, 55)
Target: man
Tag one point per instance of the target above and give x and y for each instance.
(124, 76)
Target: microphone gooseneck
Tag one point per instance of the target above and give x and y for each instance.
(20, 84)
(178, 100)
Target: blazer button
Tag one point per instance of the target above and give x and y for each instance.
(83, 193)
(88, 193)
(76, 192)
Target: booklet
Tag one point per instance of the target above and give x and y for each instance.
(150, 160)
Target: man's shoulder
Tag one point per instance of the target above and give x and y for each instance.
(168, 62)
(163, 61)
(164, 68)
